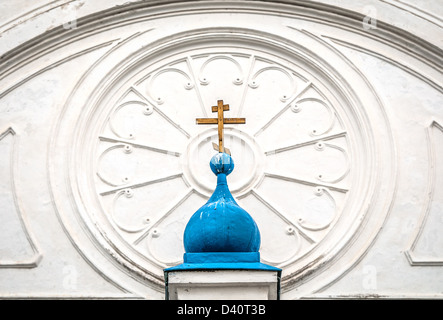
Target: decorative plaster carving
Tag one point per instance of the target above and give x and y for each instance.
(124, 150)
(18, 248)
(130, 124)
(426, 246)
(118, 157)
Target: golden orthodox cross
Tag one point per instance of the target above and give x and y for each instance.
(220, 121)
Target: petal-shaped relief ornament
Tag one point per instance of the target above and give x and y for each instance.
(205, 73)
(280, 241)
(163, 242)
(293, 142)
(312, 161)
(318, 211)
(143, 122)
(131, 164)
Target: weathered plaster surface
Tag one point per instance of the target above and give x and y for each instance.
(102, 164)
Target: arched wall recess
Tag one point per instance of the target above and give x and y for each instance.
(316, 161)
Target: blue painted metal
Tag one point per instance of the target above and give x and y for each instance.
(222, 163)
(221, 234)
(228, 257)
(222, 261)
(221, 225)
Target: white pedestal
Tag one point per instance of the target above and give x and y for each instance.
(222, 285)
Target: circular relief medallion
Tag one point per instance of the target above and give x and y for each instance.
(293, 155)
(305, 158)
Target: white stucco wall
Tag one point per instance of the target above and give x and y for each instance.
(101, 162)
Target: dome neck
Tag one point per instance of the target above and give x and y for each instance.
(221, 179)
(221, 192)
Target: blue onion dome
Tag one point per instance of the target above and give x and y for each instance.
(221, 225)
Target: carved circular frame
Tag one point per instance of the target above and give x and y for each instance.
(373, 150)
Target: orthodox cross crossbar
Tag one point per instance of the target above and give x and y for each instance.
(220, 121)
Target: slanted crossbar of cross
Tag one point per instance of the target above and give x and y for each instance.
(220, 121)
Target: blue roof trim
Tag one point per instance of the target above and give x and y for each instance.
(221, 225)
(229, 257)
(222, 260)
(223, 266)
(221, 234)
